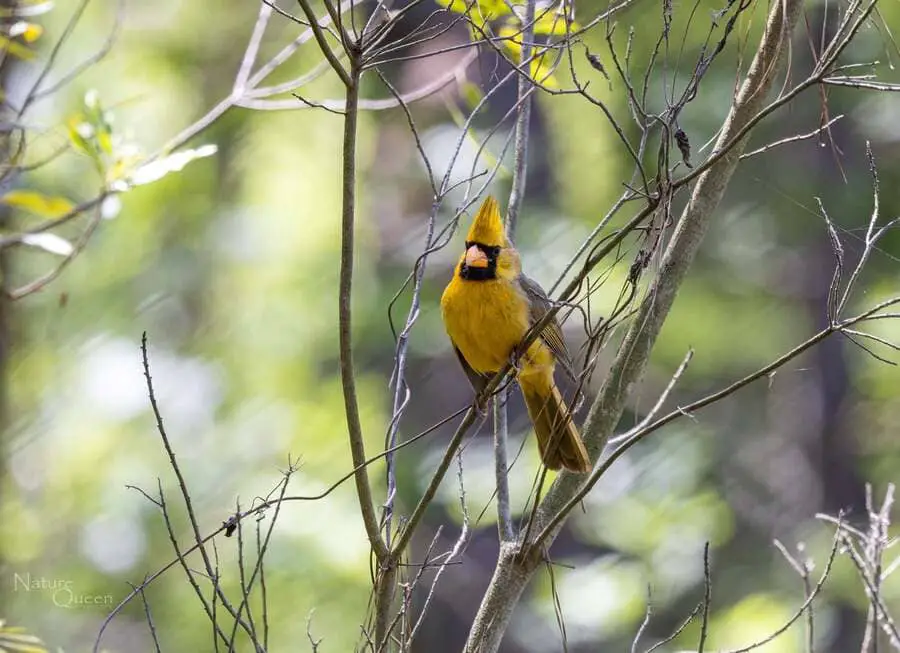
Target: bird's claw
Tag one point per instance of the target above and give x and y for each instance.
(515, 356)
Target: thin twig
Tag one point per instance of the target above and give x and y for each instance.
(249, 58)
(648, 613)
(326, 50)
(707, 599)
(791, 139)
(150, 623)
(802, 568)
(648, 418)
(802, 609)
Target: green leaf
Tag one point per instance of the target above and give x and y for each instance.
(511, 40)
(480, 11)
(542, 71)
(97, 118)
(76, 128)
(471, 93)
(37, 203)
(542, 63)
(14, 638)
(553, 23)
(15, 49)
(104, 140)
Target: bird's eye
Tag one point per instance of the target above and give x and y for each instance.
(495, 252)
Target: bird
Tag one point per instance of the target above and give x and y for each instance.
(488, 307)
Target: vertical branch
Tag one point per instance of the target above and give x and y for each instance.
(516, 196)
(520, 165)
(348, 378)
(347, 77)
(386, 572)
(501, 466)
(384, 596)
(511, 576)
(707, 591)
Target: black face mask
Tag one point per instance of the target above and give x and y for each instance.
(485, 273)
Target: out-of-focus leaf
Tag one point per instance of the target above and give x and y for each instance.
(552, 23)
(15, 49)
(27, 8)
(541, 63)
(158, 169)
(512, 40)
(542, 71)
(43, 205)
(474, 34)
(480, 12)
(49, 243)
(16, 640)
(104, 140)
(91, 133)
(76, 128)
(487, 9)
(471, 94)
(30, 32)
(95, 115)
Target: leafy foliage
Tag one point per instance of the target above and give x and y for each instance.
(14, 639)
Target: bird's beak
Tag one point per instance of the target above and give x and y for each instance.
(475, 258)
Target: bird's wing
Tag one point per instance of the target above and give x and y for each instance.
(538, 305)
(478, 381)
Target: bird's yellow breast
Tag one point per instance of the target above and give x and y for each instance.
(485, 320)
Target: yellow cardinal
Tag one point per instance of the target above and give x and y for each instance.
(488, 307)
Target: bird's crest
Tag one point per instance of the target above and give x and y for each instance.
(487, 227)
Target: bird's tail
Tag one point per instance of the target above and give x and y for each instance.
(558, 439)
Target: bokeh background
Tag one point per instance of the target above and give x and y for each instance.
(231, 268)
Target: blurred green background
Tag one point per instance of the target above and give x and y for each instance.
(231, 267)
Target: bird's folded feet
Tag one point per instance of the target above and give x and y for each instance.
(514, 360)
(481, 406)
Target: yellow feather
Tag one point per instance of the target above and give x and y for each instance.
(487, 227)
(487, 319)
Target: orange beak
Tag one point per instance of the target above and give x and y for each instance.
(475, 258)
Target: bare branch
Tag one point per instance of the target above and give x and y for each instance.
(348, 378)
(792, 139)
(149, 617)
(707, 599)
(803, 569)
(855, 82)
(249, 58)
(648, 418)
(803, 608)
(325, 48)
(77, 247)
(454, 553)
